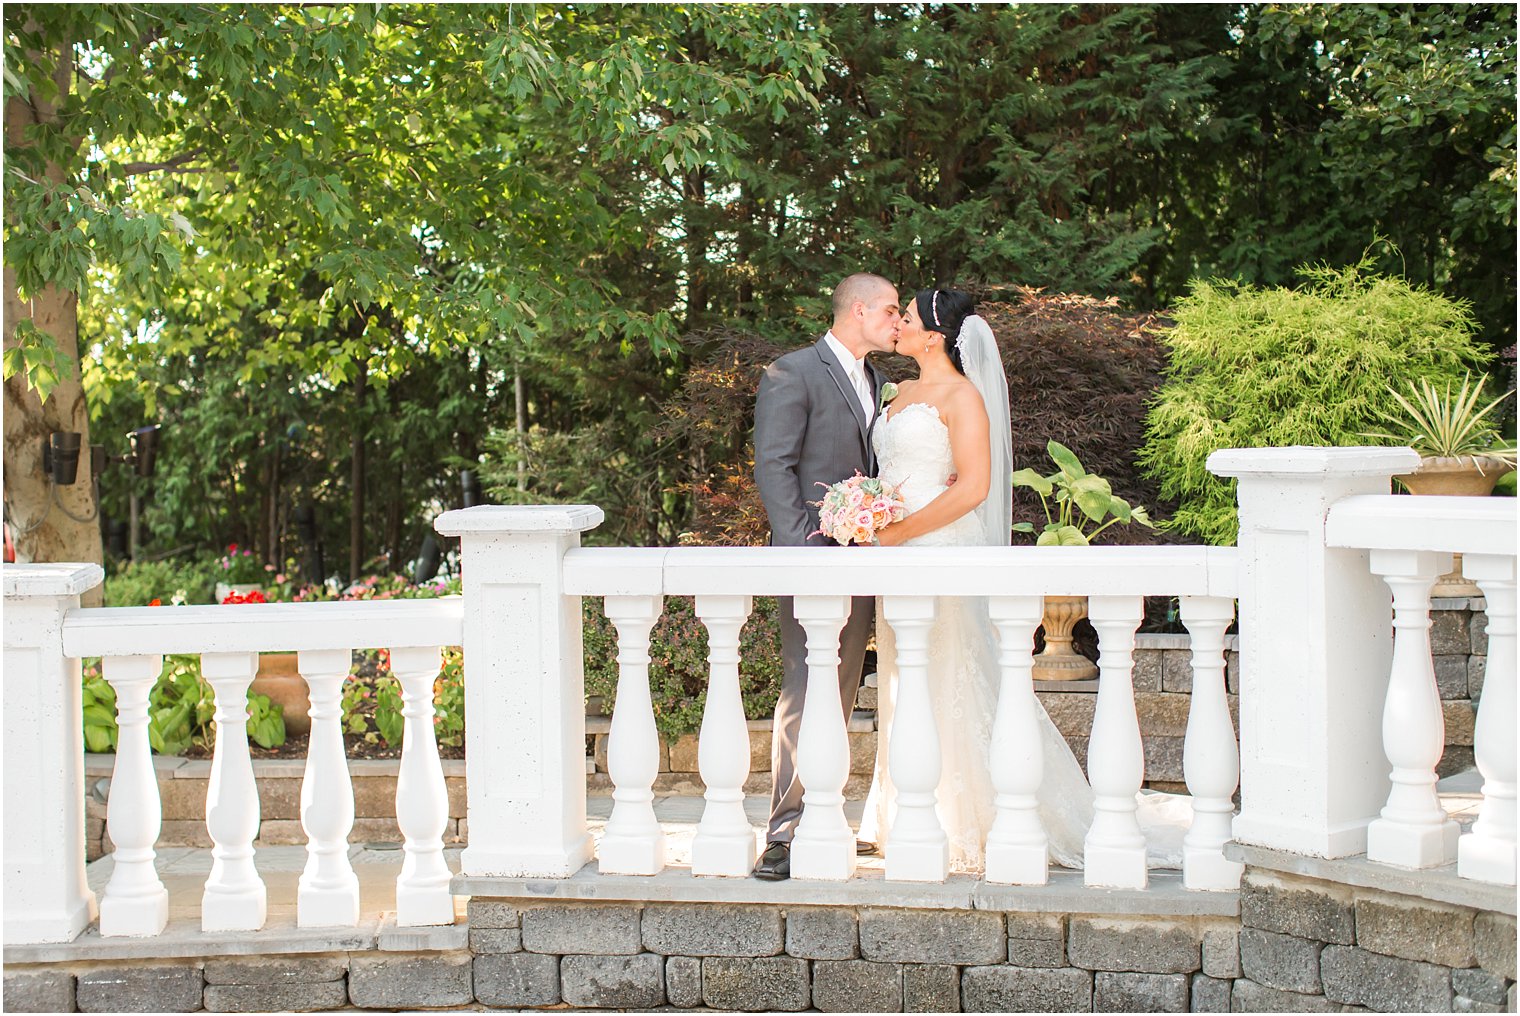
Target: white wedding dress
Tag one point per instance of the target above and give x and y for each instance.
(913, 449)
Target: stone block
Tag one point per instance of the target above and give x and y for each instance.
(822, 933)
(39, 991)
(1071, 712)
(1460, 718)
(709, 929)
(1477, 632)
(517, 979)
(683, 754)
(280, 832)
(1248, 996)
(1304, 908)
(1210, 994)
(94, 838)
(1286, 962)
(381, 830)
(592, 928)
(1355, 976)
(760, 751)
(1221, 951)
(857, 986)
(1114, 991)
(683, 981)
(1037, 940)
(274, 969)
(1232, 672)
(1149, 669)
(865, 698)
(1162, 714)
(183, 832)
(1494, 943)
(756, 984)
(613, 982)
(1477, 667)
(1141, 946)
(423, 980)
(1021, 989)
(1415, 929)
(1450, 632)
(1163, 759)
(1478, 985)
(1451, 675)
(1455, 758)
(495, 940)
(139, 989)
(280, 797)
(486, 913)
(931, 987)
(182, 800)
(458, 795)
(932, 936)
(289, 996)
(374, 796)
(863, 753)
(1177, 670)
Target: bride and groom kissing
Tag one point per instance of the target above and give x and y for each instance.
(946, 440)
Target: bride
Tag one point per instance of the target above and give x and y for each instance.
(954, 420)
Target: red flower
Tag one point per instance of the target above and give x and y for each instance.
(155, 602)
(254, 596)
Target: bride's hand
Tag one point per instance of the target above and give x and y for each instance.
(887, 537)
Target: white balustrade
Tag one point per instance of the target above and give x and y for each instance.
(235, 898)
(917, 847)
(725, 841)
(1210, 757)
(823, 846)
(135, 900)
(1413, 830)
(1487, 853)
(328, 893)
(1017, 847)
(422, 804)
(1114, 851)
(633, 843)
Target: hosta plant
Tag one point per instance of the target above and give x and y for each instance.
(1085, 504)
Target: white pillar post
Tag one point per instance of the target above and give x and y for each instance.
(1114, 851)
(422, 800)
(46, 896)
(725, 841)
(823, 846)
(633, 842)
(525, 742)
(135, 901)
(917, 848)
(1315, 645)
(1413, 830)
(1488, 852)
(1210, 757)
(235, 898)
(1018, 851)
(328, 893)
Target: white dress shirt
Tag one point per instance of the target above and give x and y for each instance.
(855, 370)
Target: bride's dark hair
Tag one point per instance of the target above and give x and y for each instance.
(944, 311)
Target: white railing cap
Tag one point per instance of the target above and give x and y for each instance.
(1461, 525)
(60, 579)
(1304, 460)
(519, 518)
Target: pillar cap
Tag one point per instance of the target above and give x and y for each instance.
(59, 579)
(527, 518)
(1306, 461)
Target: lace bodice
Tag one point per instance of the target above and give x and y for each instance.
(913, 449)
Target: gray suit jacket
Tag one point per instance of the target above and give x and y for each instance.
(809, 429)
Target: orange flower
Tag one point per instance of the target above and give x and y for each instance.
(155, 602)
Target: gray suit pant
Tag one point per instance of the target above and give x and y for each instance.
(786, 789)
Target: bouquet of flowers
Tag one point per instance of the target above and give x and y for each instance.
(854, 510)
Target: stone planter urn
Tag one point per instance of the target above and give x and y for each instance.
(1060, 661)
(1458, 476)
(280, 678)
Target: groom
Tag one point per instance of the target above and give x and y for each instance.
(813, 419)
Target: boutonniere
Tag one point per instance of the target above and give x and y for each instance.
(887, 393)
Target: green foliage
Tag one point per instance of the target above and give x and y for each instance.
(138, 583)
(1254, 368)
(1439, 424)
(389, 722)
(181, 705)
(1083, 502)
(448, 700)
(99, 699)
(678, 667)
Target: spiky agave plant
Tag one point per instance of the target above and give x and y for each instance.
(1438, 424)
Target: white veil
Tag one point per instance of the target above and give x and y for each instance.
(983, 366)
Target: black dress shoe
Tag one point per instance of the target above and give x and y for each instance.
(776, 863)
(864, 848)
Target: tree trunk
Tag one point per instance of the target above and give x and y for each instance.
(356, 479)
(47, 523)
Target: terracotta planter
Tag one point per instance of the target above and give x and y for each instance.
(1463, 476)
(280, 678)
(1060, 661)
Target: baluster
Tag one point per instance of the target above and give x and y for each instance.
(1114, 852)
(823, 846)
(725, 842)
(422, 803)
(633, 843)
(235, 898)
(1017, 847)
(917, 848)
(1488, 852)
(328, 895)
(135, 900)
(1413, 830)
(1210, 756)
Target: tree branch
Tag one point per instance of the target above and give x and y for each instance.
(174, 165)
